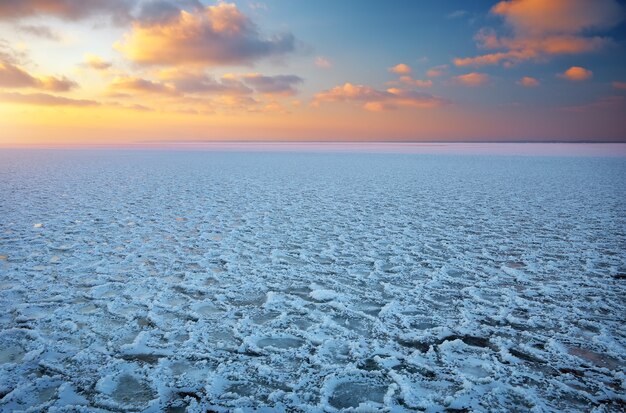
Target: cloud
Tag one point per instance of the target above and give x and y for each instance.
(619, 85)
(400, 69)
(139, 85)
(576, 74)
(323, 62)
(408, 80)
(257, 6)
(457, 14)
(12, 76)
(213, 36)
(43, 32)
(528, 81)
(95, 62)
(375, 100)
(44, 99)
(118, 10)
(437, 71)
(559, 16)
(473, 79)
(278, 85)
(161, 11)
(9, 55)
(541, 29)
(187, 81)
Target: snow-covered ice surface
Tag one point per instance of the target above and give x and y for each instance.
(153, 281)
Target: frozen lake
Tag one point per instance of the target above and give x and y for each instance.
(195, 281)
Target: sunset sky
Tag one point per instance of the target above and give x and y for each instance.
(122, 72)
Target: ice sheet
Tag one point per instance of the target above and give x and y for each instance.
(154, 281)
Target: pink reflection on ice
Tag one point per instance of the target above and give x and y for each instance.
(452, 148)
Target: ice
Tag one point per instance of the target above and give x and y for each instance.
(207, 281)
(354, 394)
(280, 342)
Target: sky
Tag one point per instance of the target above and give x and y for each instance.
(149, 72)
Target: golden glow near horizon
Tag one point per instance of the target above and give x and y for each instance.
(118, 72)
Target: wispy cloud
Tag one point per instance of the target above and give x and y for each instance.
(323, 62)
(457, 14)
(140, 85)
(118, 10)
(44, 99)
(96, 62)
(40, 31)
(198, 82)
(473, 79)
(528, 81)
(437, 71)
(375, 100)
(12, 76)
(408, 80)
(274, 85)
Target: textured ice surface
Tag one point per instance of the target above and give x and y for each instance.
(148, 281)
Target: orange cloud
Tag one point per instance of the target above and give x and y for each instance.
(375, 100)
(619, 85)
(437, 71)
(12, 76)
(401, 69)
(213, 36)
(576, 74)
(198, 82)
(545, 28)
(70, 10)
(139, 85)
(96, 62)
(44, 99)
(408, 80)
(528, 81)
(473, 79)
(558, 16)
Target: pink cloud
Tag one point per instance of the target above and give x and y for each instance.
(375, 100)
(473, 79)
(408, 80)
(545, 28)
(437, 71)
(577, 74)
(400, 69)
(528, 81)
